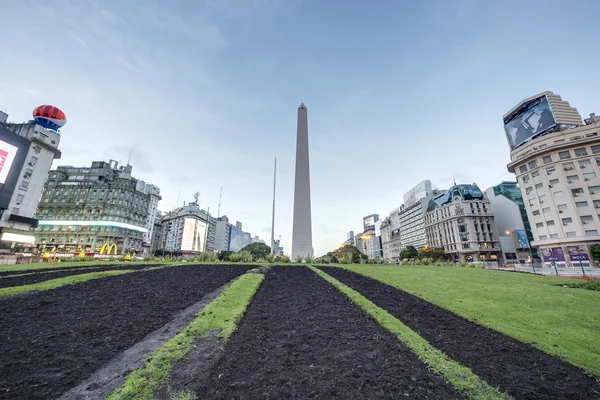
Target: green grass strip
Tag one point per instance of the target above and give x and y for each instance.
(56, 283)
(461, 377)
(222, 314)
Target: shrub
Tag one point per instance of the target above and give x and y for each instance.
(245, 256)
(345, 258)
(270, 258)
(298, 259)
(308, 259)
(283, 259)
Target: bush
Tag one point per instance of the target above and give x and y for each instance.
(298, 259)
(245, 256)
(270, 258)
(283, 259)
(345, 258)
(308, 259)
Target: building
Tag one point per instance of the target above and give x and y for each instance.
(412, 224)
(512, 224)
(390, 236)
(238, 239)
(558, 171)
(188, 230)
(86, 209)
(461, 222)
(27, 151)
(154, 193)
(222, 233)
(157, 230)
(369, 241)
(302, 223)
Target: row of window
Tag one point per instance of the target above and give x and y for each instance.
(591, 232)
(562, 155)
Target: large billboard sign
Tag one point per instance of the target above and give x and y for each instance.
(522, 241)
(417, 193)
(369, 222)
(194, 233)
(13, 152)
(531, 119)
(553, 254)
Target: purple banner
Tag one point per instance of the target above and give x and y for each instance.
(553, 254)
(577, 253)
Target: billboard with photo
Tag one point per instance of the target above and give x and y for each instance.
(533, 118)
(13, 153)
(522, 241)
(553, 254)
(194, 234)
(421, 190)
(369, 222)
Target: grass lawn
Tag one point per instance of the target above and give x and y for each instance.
(558, 320)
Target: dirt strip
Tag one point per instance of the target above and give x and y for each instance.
(302, 338)
(516, 368)
(46, 276)
(52, 341)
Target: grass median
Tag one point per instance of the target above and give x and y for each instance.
(56, 283)
(461, 377)
(559, 320)
(222, 315)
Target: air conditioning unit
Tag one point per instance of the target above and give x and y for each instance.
(597, 206)
(570, 181)
(565, 224)
(575, 194)
(586, 179)
(592, 192)
(541, 201)
(584, 222)
(560, 211)
(570, 168)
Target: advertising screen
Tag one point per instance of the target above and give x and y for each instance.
(418, 192)
(522, 240)
(534, 118)
(194, 232)
(369, 222)
(13, 152)
(236, 239)
(577, 253)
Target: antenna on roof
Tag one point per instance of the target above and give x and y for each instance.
(454, 179)
(129, 159)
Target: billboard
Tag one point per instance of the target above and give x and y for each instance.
(238, 239)
(553, 254)
(531, 119)
(522, 241)
(194, 233)
(577, 253)
(13, 153)
(421, 190)
(369, 221)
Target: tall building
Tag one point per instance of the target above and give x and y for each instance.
(512, 224)
(461, 222)
(302, 224)
(557, 165)
(84, 209)
(154, 193)
(27, 151)
(188, 230)
(222, 234)
(412, 224)
(390, 236)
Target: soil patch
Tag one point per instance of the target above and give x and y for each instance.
(302, 338)
(69, 268)
(38, 277)
(516, 368)
(52, 341)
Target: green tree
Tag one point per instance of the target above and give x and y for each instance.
(409, 252)
(357, 256)
(436, 254)
(595, 251)
(258, 250)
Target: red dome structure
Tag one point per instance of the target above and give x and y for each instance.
(49, 117)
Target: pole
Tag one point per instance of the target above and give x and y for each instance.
(581, 266)
(555, 269)
(273, 250)
(219, 208)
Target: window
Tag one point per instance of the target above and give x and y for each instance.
(535, 173)
(526, 179)
(597, 203)
(596, 149)
(554, 236)
(546, 210)
(33, 161)
(591, 233)
(566, 221)
(554, 181)
(562, 207)
(539, 225)
(581, 204)
(543, 237)
(581, 152)
(550, 170)
(571, 234)
(19, 199)
(542, 197)
(576, 192)
(528, 190)
(586, 219)
(559, 141)
(594, 189)
(568, 166)
(558, 194)
(547, 159)
(564, 155)
(536, 212)
(572, 178)
(532, 164)
(523, 168)
(539, 185)
(589, 175)
(465, 246)
(550, 223)
(585, 163)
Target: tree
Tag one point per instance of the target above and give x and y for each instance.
(409, 252)
(436, 254)
(224, 255)
(595, 251)
(357, 256)
(258, 250)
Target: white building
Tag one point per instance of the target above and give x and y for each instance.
(390, 236)
(154, 192)
(188, 230)
(222, 234)
(40, 148)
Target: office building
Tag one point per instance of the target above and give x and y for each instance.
(188, 230)
(558, 171)
(390, 236)
(27, 151)
(302, 223)
(222, 233)
(512, 224)
(86, 209)
(461, 222)
(154, 195)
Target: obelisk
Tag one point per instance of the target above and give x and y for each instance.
(302, 228)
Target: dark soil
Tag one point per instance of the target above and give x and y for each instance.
(42, 276)
(301, 338)
(516, 368)
(51, 342)
(67, 268)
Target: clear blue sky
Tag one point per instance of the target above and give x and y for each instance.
(206, 93)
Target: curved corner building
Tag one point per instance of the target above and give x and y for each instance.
(556, 158)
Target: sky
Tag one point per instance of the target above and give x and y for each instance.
(204, 93)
